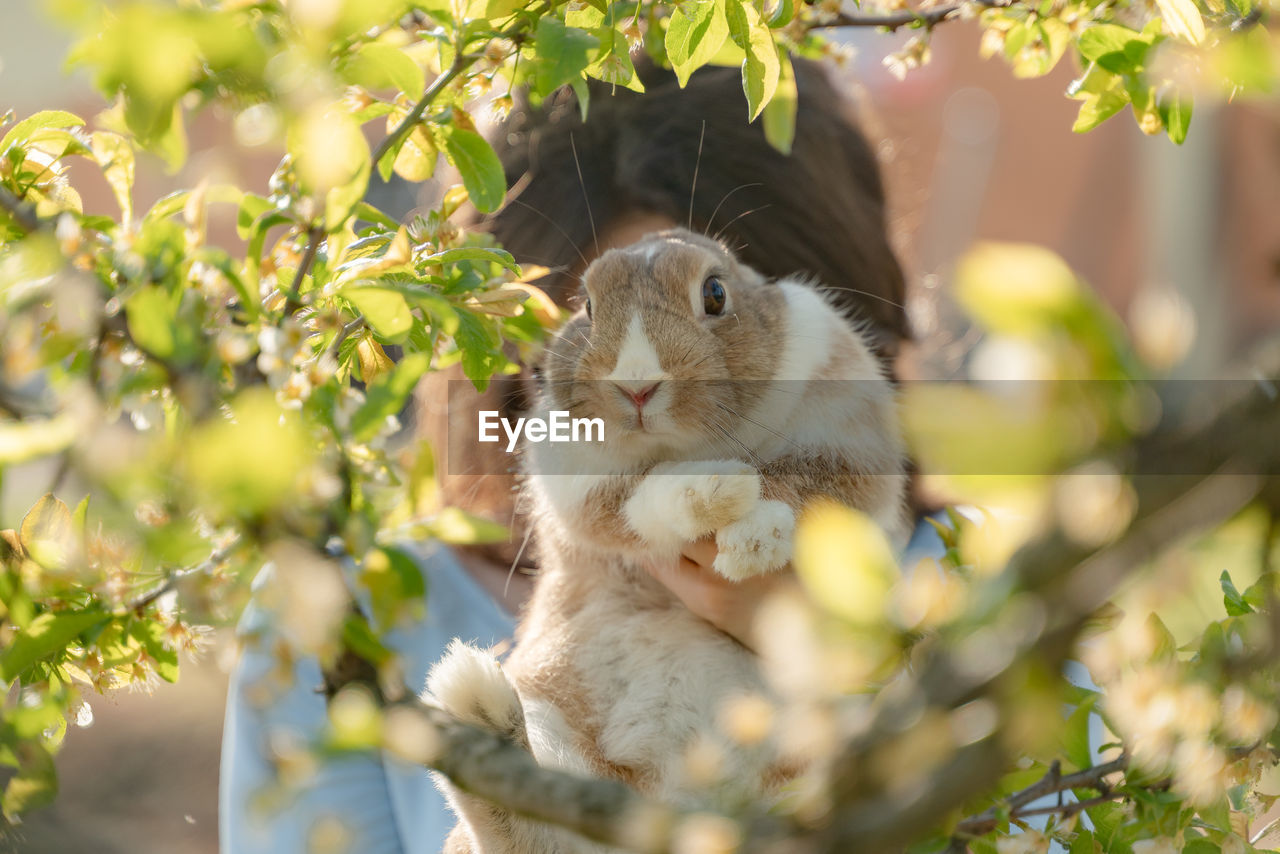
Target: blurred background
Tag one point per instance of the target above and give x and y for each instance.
(1181, 242)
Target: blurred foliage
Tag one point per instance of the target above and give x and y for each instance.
(230, 406)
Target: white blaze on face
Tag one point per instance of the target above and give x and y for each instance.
(637, 359)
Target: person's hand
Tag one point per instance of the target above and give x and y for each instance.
(730, 606)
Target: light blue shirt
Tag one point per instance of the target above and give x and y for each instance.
(385, 806)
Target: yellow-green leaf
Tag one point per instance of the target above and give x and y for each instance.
(480, 168)
(385, 310)
(760, 68)
(115, 155)
(48, 534)
(780, 113)
(694, 35)
(27, 440)
(43, 637)
(845, 562)
(1182, 19)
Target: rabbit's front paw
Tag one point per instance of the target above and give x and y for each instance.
(684, 501)
(759, 542)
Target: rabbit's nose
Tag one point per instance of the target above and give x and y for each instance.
(638, 396)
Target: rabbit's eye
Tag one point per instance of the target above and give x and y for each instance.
(713, 296)
(588, 309)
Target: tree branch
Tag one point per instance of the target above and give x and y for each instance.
(293, 299)
(485, 765)
(1050, 784)
(910, 17)
(460, 64)
(215, 558)
(22, 213)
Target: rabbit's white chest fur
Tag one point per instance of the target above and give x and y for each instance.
(650, 680)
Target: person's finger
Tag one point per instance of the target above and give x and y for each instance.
(701, 552)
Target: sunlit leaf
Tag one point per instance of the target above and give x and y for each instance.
(385, 310)
(26, 440)
(1183, 19)
(249, 464)
(22, 131)
(780, 113)
(563, 53)
(377, 66)
(845, 562)
(48, 533)
(760, 69)
(1015, 287)
(35, 784)
(458, 527)
(47, 635)
(386, 395)
(694, 35)
(480, 168)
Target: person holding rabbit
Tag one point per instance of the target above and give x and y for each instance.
(578, 190)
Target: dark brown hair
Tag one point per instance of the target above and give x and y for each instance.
(817, 212)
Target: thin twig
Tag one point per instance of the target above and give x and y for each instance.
(343, 334)
(215, 558)
(460, 64)
(1051, 783)
(293, 299)
(909, 17)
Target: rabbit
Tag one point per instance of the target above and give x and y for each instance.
(729, 402)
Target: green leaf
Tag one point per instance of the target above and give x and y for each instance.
(1175, 112)
(562, 54)
(1166, 648)
(22, 131)
(151, 314)
(1234, 602)
(780, 113)
(846, 564)
(480, 168)
(760, 69)
(1095, 111)
(589, 17)
(498, 10)
(369, 213)
(35, 784)
(377, 66)
(613, 63)
(115, 155)
(413, 155)
(395, 584)
(458, 527)
(252, 207)
(150, 635)
(386, 395)
(385, 310)
(694, 35)
(1117, 49)
(1084, 843)
(1075, 735)
(45, 636)
(48, 533)
(479, 346)
(474, 253)
(1182, 19)
(340, 200)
